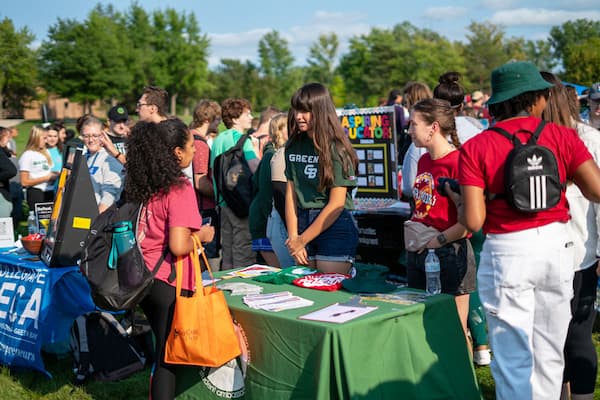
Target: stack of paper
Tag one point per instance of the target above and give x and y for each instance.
(239, 288)
(276, 301)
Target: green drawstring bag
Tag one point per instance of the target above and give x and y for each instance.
(286, 275)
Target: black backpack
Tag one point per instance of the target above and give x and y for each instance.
(531, 178)
(124, 285)
(102, 349)
(233, 179)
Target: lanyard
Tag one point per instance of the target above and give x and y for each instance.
(91, 167)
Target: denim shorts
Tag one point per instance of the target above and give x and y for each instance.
(457, 268)
(337, 243)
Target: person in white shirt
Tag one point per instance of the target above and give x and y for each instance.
(35, 166)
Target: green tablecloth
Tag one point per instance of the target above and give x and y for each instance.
(396, 351)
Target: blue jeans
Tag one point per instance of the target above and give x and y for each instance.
(277, 234)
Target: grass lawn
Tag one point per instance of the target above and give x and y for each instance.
(16, 385)
(34, 385)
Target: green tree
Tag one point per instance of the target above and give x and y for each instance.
(581, 62)
(83, 61)
(485, 50)
(384, 59)
(278, 76)
(321, 59)
(18, 70)
(540, 53)
(572, 33)
(234, 79)
(179, 56)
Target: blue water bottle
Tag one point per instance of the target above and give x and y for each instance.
(122, 241)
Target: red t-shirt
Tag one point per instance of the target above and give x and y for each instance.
(200, 166)
(482, 161)
(431, 208)
(177, 208)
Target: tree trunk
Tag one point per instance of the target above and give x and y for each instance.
(174, 104)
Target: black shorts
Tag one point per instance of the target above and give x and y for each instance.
(457, 268)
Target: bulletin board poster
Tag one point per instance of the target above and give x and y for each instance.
(372, 133)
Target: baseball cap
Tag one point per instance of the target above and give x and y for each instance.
(477, 95)
(594, 93)
(118, 114)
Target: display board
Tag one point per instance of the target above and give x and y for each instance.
(372, 133)
(72, 214)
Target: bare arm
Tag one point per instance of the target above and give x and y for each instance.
(587, 178)
(27, 181)
(180, 238)
(471, 208)
(203, 185)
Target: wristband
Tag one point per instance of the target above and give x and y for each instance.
(118, 155)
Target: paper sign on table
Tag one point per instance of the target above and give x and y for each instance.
(337, 313)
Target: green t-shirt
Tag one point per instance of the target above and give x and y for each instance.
(302, 168)
(223, 142)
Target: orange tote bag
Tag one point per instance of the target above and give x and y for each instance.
(202, 331)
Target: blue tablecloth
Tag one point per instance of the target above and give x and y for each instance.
(37, 307)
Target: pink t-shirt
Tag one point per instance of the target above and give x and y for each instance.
(481, 164)
(177, 208)
(431, 208)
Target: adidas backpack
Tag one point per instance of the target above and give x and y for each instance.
(102, 349)
(531, 178)
(233, 179)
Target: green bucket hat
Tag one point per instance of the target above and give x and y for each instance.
(514, 78)
(369, 278)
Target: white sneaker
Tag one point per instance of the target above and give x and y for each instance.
(482, 357)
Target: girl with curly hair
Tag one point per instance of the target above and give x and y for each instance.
(320, 169)
(169, 218)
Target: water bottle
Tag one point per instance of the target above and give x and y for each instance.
(32, 227)
(123, 237)
(433, 285)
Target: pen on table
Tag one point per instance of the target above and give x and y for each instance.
(342, 312)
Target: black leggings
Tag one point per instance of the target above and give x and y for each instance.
(581, 361)
(158, 306)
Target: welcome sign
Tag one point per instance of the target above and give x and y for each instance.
(372, 133)
(21, 297)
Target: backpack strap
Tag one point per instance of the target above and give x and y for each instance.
(241, 141)
(516, 142)
(84, 364)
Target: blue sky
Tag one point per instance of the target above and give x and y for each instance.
(235, 27)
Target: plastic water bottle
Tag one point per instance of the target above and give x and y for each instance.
(31, 223)
(432, 273)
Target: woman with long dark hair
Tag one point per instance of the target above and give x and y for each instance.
(320, 169)
(169, 218)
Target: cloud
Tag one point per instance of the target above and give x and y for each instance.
(529, 16)
(448, 12)
(299, 37)
(498, 4)
(237, 39)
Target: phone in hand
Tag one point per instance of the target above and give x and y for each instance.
(441, 188)
(206, 220)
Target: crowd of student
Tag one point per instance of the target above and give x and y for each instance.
(304, 170)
